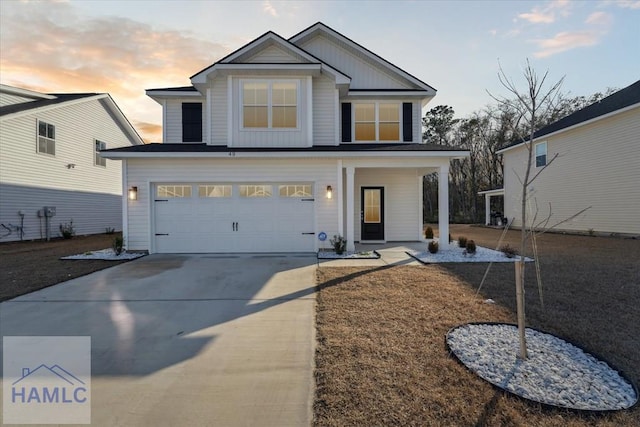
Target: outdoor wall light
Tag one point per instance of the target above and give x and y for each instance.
(329, 192)
(133, 193)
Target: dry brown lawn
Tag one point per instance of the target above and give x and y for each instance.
(381, 357)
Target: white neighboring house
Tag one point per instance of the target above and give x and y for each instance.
(49, 156)
(280, 143)
(597, 166)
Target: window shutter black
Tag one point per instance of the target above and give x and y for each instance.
(346, 122)
(407, 121)
(191, 122)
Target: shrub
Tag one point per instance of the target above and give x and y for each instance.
(462, 242)
(428, 233)
(508, 251)
(450, 238)
(339, 244)
(433, 247)
(118, 245)
(109, 230)
(471, 247)
(66, 230)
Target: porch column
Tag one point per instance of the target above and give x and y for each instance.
(443, 206)
(350, 209)
(487, 209)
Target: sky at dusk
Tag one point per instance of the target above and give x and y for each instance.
(125, 47)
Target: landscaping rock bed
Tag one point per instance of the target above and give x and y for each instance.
(348, 255)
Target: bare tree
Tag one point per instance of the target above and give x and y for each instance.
(530, 106)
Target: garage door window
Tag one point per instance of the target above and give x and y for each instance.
(295, 190)
(255, 191)
(214, 191)
(168, 191)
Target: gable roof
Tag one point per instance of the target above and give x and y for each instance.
(268, 37)
(55, 100)
(26, 93)
(619, 101)
(320, 27)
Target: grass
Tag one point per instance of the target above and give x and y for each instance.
(381, 357)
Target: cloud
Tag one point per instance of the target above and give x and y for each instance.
(49, 47)
(269, 9)
(151, 132)
(598, 25)
(547, 15)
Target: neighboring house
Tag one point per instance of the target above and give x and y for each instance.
(50, 156)
(597, 167)
(282, 142)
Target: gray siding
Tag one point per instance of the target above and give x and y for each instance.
(219, 111)
(324, 111)
(10, 99)
(598, 166)
(272, 55)
(173, 124)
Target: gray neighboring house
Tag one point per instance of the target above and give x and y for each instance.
(50, 157)
(598, 167)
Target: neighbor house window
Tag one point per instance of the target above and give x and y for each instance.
(377, 121)
(541, 154)
(98, 159)
(272, 104)
(46, 138)
(295, 190)
(255, 191)
(214, 190)
(170, 191)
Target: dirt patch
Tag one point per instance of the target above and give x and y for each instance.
(381, 358)
(28, 266)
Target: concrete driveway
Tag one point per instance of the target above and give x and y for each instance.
(188, 340)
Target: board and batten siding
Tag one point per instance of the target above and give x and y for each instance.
(31, 180)
(173, 118)
(364, 74)
(144, 173)
(598, 167)
(219, 111)
(401, 201)
(10, 99)
(324, 111)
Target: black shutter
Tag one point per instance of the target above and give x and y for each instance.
(191, 122)
(407, 121)
(346, 122)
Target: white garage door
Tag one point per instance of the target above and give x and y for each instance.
(219, 218)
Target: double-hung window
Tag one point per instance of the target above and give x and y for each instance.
(541, 154)
(270, 104)
(46, 138)
(377, 121)
(98, 159)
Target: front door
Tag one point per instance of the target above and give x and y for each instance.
(372, 213)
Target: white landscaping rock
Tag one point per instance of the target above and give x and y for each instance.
(457, 254)
(348, 255)
(107, 255)
(555, 373)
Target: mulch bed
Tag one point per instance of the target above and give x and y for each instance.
(28, 266)
(381, 357)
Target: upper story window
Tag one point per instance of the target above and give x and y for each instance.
(98, 159)
(541, 154)
(270, 104)
(377, 121)
(191, 122)
(46, 138)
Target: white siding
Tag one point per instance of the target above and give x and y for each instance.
(10, 99)
(401, 201)
(273, 55)
(23, 170)
(219, 111)
(271, 137)
(598, 166)
(364, 74)
(142, 173)
(173, 123)
(324, 111)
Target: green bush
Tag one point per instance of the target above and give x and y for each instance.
(109, 230)
(428, 233)
(462, 242)
(66, 230)
(339, 244)
(433, 247)
(118, 245)
(471, 247)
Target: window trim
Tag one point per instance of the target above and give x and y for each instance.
(224, 188)
(377, 122)
(96, 153)
(255, 195)
(535, 153)
(282, 186)
(46, 137)
(269, 127)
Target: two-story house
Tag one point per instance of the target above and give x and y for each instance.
(281, 143)
(50, 157)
